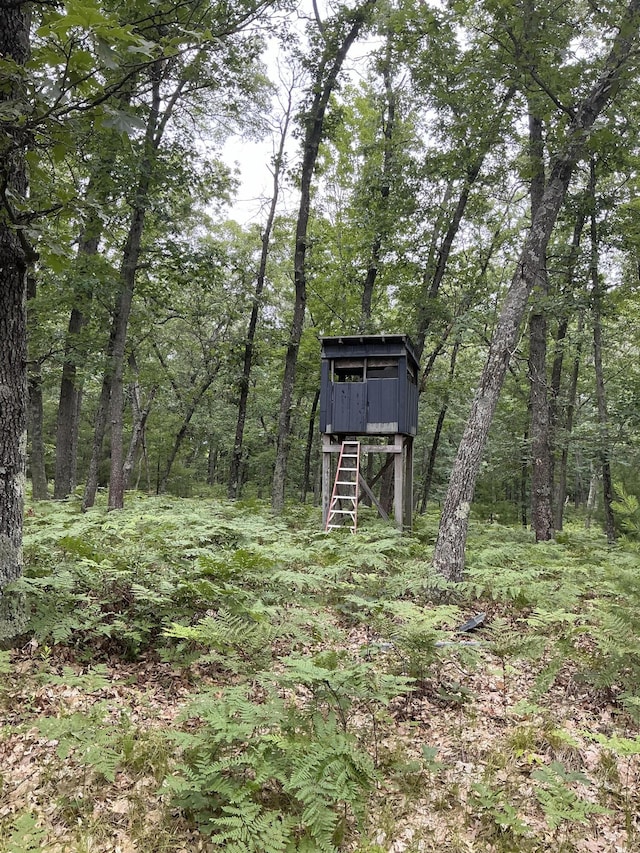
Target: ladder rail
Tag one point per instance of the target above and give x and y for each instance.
(339, 496)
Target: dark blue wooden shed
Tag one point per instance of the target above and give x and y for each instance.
(369, 387)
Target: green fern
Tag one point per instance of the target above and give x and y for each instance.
(27, 836)
(559, 801)
(492, 804)
(237, 642)
(269, 777)
(627, 511)
(85, 738)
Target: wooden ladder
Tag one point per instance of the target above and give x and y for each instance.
(343, 506)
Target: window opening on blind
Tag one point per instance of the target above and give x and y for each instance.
(382, 368)
(348, 370)
(411, 374)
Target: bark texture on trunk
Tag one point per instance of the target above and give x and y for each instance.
(452, 534)
(592, 497)
(325, 81)
(15, 258)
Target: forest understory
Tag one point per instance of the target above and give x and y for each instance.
(201, 675)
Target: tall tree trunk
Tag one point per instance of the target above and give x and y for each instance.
(592, 497)
(121, 324)
(429, 366)
(140, 415)
(98, 196)
(436, 267)
(15, 257)
(156, 125)
(561, 479)
(452, 534)
(40, 492)
(434, 275)
(182, 432)
(386, 488)
(601, 394)
(36, 414)
(539, 425)
(278, 165)
(560, 440)
(306, 479)
(100, 428)
(524, 480)
(388, 126)
(68, 414)
(326, 78)
(137, 441)
(426, 489)
(70, 387)
(212, 461)
(111, 403)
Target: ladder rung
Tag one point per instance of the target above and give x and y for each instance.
(342, 512)
(346, 482)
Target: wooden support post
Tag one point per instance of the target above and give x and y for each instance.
(398, 481)
(408, 483)
(327, 480)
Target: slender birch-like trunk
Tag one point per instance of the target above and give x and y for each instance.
(597, 295)
(278, 166)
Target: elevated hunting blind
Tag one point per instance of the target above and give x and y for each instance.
(369, 387)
